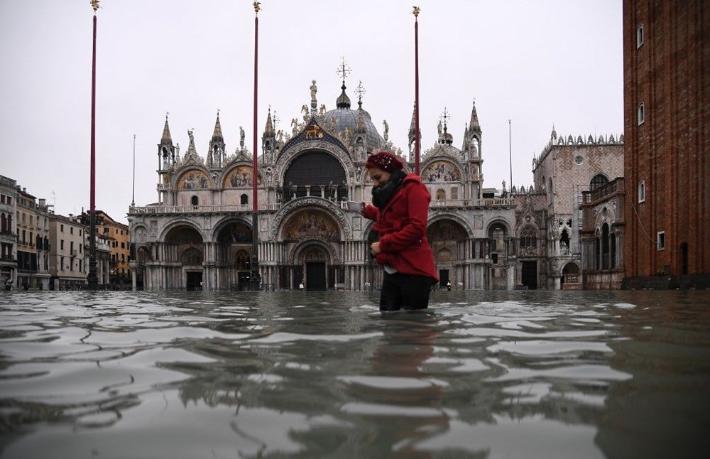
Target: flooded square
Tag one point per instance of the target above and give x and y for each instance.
(303, 375)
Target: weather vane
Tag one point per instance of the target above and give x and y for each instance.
(343, 70)
(95, 5)
(445, 116)
(257, 7)
(415, 11)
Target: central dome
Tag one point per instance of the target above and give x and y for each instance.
(344, 118)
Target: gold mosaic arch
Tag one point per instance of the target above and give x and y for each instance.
(239, 176)
(194, 179)
(311, 224)
(441, 171)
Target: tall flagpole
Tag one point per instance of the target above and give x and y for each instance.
(91, 278)
(417, 136)
(133, 196)
(254, 278)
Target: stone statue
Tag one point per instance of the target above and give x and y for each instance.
(387, 130)
(314, 90)
(189, 134)
(322, 109)
(294, 126)
(241, 137)
(439, 128)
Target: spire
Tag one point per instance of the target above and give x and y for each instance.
(473, 125)
(553, 135)
(269, 129)
(343, 100)
(413, 125)
(217, 134)
(166, 139)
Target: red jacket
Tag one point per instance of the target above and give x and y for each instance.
(401, 226)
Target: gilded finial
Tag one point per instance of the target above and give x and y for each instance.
(416, 10)
(257, 7)
(95, 5)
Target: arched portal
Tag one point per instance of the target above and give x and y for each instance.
(315, 173)
(233, 255)
(314, 261)
(184, 255)
(570, 275)
(447, 239)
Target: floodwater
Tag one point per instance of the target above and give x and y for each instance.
(310, 375)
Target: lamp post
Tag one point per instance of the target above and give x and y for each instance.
(91, 278)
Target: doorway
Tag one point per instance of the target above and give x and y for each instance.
(194, 280)
(315, 275)
(243, 280)
(443, 277)
(530, 274)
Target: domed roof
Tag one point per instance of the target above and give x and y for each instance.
(343, 118)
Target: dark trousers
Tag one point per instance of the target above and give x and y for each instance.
(404, 291)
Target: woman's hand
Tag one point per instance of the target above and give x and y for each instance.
(375, 248)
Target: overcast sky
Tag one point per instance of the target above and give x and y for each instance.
(537, 62)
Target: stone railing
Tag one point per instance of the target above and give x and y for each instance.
(488, 202)
(158, 210)
(616, 185)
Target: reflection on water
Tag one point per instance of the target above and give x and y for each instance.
(294, 374)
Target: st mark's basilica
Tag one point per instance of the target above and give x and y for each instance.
(199, 233)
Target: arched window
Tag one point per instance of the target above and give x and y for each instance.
(528, 239)
(549, 185)
(194, 200)
(598, 181)
(244, 199)
(3, 222)
(191, 257)
(440, 195)
(497, 235)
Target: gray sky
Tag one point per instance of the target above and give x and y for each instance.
(538, 63)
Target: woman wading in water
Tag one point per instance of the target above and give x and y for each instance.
(400, 208)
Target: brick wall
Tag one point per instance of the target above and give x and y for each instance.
(667, 72)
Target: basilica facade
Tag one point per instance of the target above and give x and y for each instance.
(199, 234)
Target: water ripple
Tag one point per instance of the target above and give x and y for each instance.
(294, 374)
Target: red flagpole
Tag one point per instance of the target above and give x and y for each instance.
(255, 163)
(417, 140)
(91, 278)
